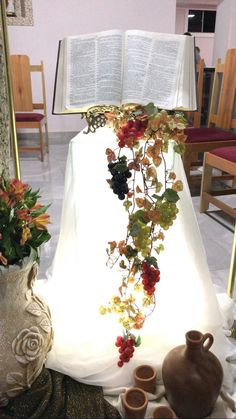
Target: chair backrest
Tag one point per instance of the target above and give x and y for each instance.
(196, 116)
(21, 70)
(221, 111)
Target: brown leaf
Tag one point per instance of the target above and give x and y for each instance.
(151, 172)
(122, 247)
(154, 216)
(140, 202)
(110, 155)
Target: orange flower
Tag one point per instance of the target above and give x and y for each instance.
(26, 235)
(41, 221)
(37, 206)
(3, 259)
(17, 189)
(4, 197)
(24, 214)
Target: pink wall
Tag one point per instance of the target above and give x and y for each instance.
(225, 31)
(55, 19)
(204, 41)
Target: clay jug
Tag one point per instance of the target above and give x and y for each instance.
(25, 329)
(192, 376)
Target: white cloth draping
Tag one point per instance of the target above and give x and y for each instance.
(80, 281)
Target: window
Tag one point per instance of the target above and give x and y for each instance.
(201, 21)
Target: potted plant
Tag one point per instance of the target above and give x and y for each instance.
(25, 325)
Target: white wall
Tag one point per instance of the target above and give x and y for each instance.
(225, 30)
(55, 19)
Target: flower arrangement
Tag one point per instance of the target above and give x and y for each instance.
(23, 221)
(144, 134)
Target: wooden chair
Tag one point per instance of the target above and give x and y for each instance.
(24, 106)
(195, 117)
(217, 134)
(223, 159)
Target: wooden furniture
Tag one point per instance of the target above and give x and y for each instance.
(223, 159)
(208, 76)
(195, 117)
(25, 108)
(217, 134)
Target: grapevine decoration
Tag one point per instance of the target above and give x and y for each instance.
(149, 191)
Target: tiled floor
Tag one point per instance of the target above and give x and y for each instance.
(217, 229)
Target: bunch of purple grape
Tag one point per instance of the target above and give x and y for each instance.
(120, 173)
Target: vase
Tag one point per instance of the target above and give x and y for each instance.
(26, 333)
(145, 378)
(192, 376)
(163, 412)
(135, 403)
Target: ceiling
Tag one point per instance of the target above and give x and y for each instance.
(191, 3)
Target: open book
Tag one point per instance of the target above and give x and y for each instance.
(115, 67)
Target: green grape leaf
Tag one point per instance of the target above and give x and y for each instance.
(122, 159)
(152, 261)
(179, 148)
(137, 341)
(157, 197)
(135, 230)
(150, 108)
(171, 195)
(120, 167)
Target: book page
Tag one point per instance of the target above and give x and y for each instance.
(94, 69)
(187, 91)
(153, 67)
(59, 87)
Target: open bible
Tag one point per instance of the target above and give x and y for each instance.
(115, 67)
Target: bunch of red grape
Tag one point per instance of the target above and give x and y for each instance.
(150, 276)
(130, 132)
(126, 349)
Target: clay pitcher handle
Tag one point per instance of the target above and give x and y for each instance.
(208, 338)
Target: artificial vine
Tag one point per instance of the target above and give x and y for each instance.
(149, 191)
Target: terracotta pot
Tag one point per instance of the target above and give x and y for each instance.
(25, 330)
(145, 378)
(135, 403)
(163, 412)
(192, 376)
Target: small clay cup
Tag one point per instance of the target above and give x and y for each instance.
(163, 412)
(135, 403)
(145, 378)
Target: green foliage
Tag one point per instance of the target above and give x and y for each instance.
(23, 222)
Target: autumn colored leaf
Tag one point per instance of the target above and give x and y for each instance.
(151, 172)
(110, 155)
(138, 189)
(140, 202)
(122, 247)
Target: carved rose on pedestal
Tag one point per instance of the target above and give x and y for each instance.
(27, 345)
(26, 333)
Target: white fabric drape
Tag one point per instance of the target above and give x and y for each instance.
(80, 281)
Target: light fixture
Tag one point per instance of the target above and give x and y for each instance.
(189, 16)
